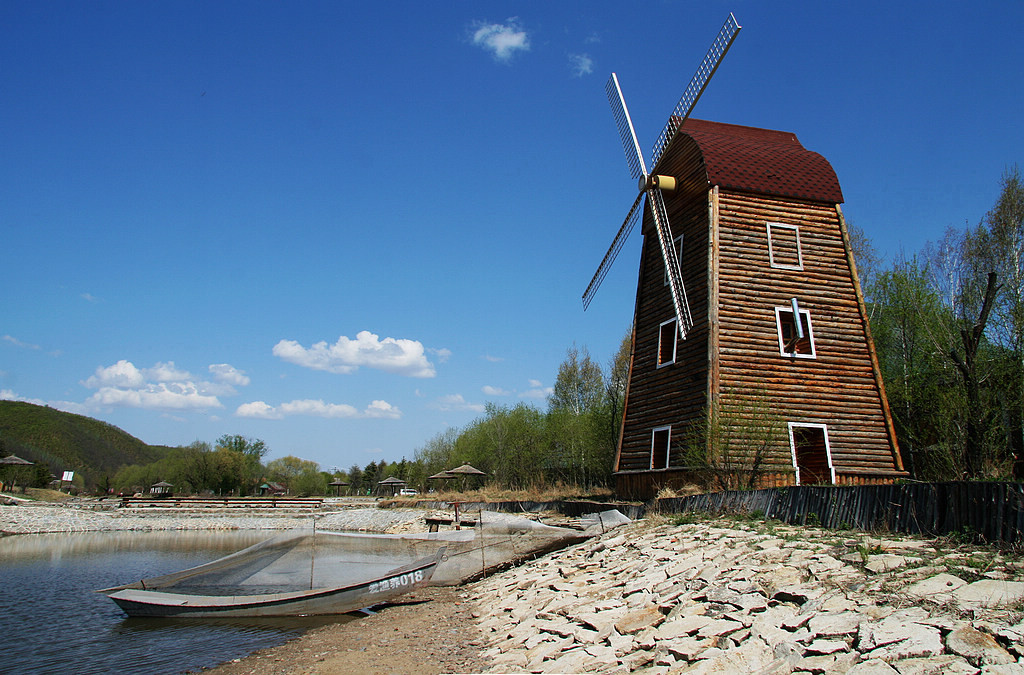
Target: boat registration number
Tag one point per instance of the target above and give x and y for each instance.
(396, 582)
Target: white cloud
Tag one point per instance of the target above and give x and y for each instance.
(317, 408)
(162, 387)
(456, 402)
(503, 40)
(155, 396)
(581, 64)
(121, 374)
(18, 343)
(258, 409)
(89, 297)
(442, 354)
(167, 372)
(8, 395)
(494, 391)
(392, 355)
(537, 390)
(493, 359)
(222, 372)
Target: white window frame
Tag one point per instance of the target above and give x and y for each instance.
(668, 446)
(678, 244)
(810, 334)
(792, 448)
(771, 248)
(675, 342)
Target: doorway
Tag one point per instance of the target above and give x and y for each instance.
(812, 457)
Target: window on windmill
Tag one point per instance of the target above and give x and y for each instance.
(667, 343)
(784, 250)
(791, 343)
(679, 255)
(661, 439)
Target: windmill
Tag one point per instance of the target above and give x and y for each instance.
(777, 381)
(652, 184)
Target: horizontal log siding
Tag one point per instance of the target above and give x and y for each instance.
(676, 394)
(838, 388)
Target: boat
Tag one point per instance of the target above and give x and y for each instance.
(307, 572)
(271, 579)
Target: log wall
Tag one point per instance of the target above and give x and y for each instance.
(676, 394)
(837, 388)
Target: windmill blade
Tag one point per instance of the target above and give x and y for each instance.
(634, 158)
(697, 85)
(613, 251)
(668, 253)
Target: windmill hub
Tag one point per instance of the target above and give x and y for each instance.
(664, 183)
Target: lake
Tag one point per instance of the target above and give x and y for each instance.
(52, 621)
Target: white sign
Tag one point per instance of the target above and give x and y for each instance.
(68, 475)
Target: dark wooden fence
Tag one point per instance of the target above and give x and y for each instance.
(991, 512)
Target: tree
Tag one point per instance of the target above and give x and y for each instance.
(579, 387)
(912, 330)
(251, 452)
(974, 447)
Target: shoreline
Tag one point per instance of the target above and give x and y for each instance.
(679, 594)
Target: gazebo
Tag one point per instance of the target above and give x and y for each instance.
(14, 466)
(163, 488)
(337, 485)
(465, 471)
(393, 484)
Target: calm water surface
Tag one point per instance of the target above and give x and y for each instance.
(51, 621)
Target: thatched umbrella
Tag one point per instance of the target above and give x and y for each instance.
(441, 475)
(465, 471)
(392, 483)
(337, 485)
(15, 466)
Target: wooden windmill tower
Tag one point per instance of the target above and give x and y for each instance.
(752, 356)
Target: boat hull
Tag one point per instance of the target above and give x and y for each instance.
(339, 600)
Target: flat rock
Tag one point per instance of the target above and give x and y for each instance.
(980, 649)
(827, 646)
(636, 620)
(887, 562)
(719, 627)
(831, 624)
(990, 593)
(938, 588)
(917, 640)
(872, 667)
(944, 664)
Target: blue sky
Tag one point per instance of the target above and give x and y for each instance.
(344, 227)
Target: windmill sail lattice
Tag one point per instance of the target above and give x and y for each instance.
(698, 83)
(652, 185)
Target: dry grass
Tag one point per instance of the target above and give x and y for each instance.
(45, 495)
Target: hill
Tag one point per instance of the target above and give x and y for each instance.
(69, 442)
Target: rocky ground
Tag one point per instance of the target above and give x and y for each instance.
(745, 598)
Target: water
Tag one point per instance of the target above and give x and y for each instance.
(51, 621)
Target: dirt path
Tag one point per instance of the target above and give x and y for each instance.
(429, 632)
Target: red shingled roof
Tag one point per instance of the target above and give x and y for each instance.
(763, 161)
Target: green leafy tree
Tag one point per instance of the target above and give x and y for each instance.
(251, 451)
